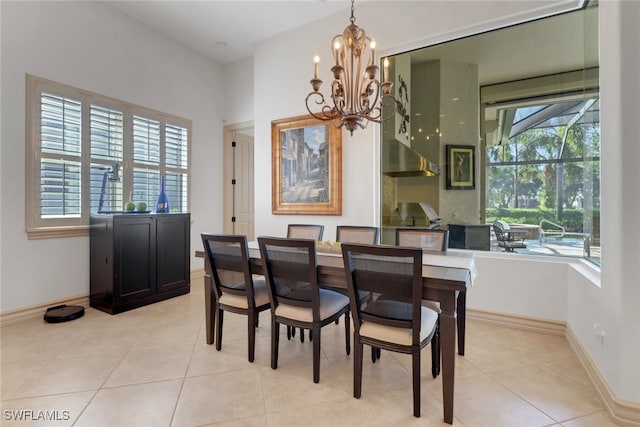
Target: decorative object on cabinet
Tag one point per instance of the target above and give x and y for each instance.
(138, 259)
(306, 167)
(162, 205)
(461, 167)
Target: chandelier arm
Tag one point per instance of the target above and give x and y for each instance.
(337, 96)
(326, 112)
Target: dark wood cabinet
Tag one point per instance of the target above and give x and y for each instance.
(138, 259)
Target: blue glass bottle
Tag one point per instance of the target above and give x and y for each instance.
(162, 205)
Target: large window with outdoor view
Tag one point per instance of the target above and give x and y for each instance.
(91, 154)
(545, 171)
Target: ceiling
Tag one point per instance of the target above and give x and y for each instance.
(226, 31)
(538, 48)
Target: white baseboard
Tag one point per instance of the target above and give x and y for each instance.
(622, 412)
(533, 324)
(37, 311)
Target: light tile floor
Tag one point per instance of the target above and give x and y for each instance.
(151, 367)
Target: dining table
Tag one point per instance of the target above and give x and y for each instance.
(446, 276)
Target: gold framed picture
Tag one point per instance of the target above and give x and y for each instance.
(306, 166)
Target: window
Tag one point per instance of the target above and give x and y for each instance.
(92, 154)
(545, 170)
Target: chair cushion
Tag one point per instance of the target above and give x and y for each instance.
(330, 303)
(433, 305)
(260, 294)
(401, 336)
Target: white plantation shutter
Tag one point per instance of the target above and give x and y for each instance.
(176, 143)
(60, 186)
(176, 166)
(60, 150)
(146, 158)
(146, 186)
(146, 141)
(107, 144)
(176, 188)
(77, 138)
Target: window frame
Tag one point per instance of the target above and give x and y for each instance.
(40, 228)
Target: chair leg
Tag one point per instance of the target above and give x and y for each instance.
(375, 354)
(347, 332)
(251, 326)
(275, 340)
(316, 353)
(219, 320)
(461, 316)
(301, 334)
(415, 357)
(209, 308)
(357, 366)
(435, 352)
(288, 332)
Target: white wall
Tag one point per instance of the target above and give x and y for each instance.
(238, 91)
(616, 304)
(531, 287)
(91, 46)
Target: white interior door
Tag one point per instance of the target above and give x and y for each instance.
(238, 180)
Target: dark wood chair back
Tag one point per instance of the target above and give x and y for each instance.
(357, 234)
(423, 238)
(391, 271)
(305, 231)
(228, 256)
(291, 271)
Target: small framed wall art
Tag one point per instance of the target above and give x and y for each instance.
(461, 169)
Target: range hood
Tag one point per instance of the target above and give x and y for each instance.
(402, 161)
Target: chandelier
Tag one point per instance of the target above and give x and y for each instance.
(356, 94)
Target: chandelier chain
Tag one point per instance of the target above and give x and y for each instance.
(353, 12)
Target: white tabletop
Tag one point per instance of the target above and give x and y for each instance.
(455, 259)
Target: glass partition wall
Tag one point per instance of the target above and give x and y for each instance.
(503, 125)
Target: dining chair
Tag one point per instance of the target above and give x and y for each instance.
(234, 288)
(296, 299)
(365, 235)
(398, 322)
(305, 231)
(425, 238)
(357, 234)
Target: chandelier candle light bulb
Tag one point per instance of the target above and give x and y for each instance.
(385, 68)
(316, 60)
